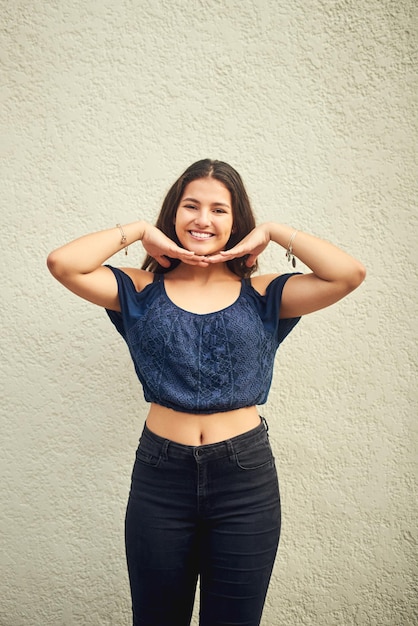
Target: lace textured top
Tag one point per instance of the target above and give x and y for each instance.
(202, 363)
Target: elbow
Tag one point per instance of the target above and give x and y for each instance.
(51, 263)
(55, 266)
(356, 276)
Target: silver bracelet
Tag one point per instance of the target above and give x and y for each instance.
(289, 252)
(123, 238)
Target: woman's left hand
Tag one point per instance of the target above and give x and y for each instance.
(253, 245)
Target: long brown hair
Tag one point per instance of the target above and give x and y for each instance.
(242, 213)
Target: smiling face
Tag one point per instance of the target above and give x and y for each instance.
(236, 204)
(204, 217)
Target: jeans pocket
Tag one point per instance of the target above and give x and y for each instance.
(147, 457)
(255, 458)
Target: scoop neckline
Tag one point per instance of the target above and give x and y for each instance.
(179, 308)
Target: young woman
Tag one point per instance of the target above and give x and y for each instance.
(204, 499)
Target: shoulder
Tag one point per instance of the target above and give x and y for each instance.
(140, 278)
(260, 283)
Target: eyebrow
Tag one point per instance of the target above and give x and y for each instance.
(213, 203)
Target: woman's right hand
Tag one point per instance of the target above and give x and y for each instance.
(160, 247)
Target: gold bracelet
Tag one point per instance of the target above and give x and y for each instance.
(123, 239)
(289, 252)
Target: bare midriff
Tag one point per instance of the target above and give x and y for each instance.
(192, 429)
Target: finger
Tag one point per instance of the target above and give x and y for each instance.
(226, 255)
(181, 253)
(233, 253)
(216, 258)
(200, 261)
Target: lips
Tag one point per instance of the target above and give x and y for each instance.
(200, 235)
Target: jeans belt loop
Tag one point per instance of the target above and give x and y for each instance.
(231, 450)
(266, 426)
(164, 452)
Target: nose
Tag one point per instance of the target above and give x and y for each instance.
(202, 218)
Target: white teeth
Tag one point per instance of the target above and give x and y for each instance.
(200, 235)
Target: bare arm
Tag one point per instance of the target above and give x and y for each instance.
(334, 272)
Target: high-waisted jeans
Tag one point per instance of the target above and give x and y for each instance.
(211, 511)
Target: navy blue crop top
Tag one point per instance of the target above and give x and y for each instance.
(202, 363)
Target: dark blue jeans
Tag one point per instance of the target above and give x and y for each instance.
(211, 511)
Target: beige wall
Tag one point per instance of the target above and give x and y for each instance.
(104, 103)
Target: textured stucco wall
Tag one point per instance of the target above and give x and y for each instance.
(103, 103)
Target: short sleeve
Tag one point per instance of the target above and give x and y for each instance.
(126, 293)
(268, 307)
(274, 294)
